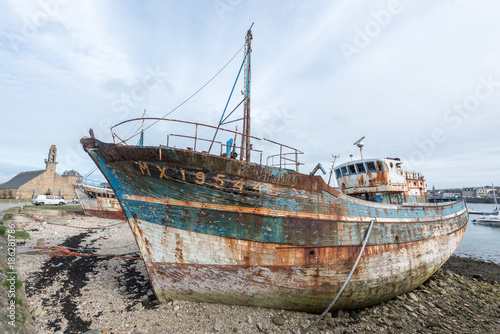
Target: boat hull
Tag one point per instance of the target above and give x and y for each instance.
(179, 271)
(99, 202)
(220, 230)
(488, 221)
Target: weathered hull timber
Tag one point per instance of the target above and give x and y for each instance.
(220, 230)
(99, 202)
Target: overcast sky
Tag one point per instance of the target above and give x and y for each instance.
(420, 79)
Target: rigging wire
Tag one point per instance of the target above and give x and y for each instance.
(134, 129)
(189, 98)
(90, 173)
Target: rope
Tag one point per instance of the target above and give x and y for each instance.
(92, 249)
(86, 228)
(345, 283)
(71, 253)
(189, 98)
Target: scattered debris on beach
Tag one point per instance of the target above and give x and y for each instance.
(73, 294)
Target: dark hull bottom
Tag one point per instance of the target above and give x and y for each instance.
(104, 214)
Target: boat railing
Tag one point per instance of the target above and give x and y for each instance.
(93, 183)
(198, 139)
(283, 160)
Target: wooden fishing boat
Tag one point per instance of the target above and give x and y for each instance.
(98, 201)
(234, 229)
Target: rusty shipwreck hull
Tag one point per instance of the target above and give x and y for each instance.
(99, 202)
(220, 230)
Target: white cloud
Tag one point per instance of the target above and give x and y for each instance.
(84, 58)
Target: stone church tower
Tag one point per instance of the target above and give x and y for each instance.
(25, 185)
(50, 162)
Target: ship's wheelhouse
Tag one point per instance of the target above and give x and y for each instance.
(381, 180)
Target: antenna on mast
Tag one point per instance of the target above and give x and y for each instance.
(335, 157)
(141, 139)
(360, 144)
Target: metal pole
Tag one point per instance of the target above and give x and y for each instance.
(248, 51)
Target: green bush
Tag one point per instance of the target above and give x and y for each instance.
(21, 234)
(17, 284)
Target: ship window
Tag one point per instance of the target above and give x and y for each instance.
(344, 171)
(370, 167)
(382, 167)
(361, 168)
(338, 173)
(352, 169)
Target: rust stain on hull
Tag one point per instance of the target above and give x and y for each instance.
(309, 284)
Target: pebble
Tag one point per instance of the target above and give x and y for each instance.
(278, 321)
(321, 325)
(37, 312)
(413, 297)
(430, 323)
(409, 308)
(93, 331)
(259, 326)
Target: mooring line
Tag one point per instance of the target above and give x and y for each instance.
(71, 253)
(345, 283)
(86, 228)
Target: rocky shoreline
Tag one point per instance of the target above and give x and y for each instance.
(112, 295)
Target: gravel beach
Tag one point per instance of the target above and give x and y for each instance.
(74, 294)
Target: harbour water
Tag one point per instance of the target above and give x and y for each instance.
(480, 242)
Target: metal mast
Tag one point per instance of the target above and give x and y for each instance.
(141, 139)
(245, 139)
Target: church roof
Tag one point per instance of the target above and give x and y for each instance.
(20, 179)
(71, 173)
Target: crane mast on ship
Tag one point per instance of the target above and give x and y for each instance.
(245, 139)
(245, 148)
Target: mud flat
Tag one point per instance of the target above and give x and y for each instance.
(112, 295)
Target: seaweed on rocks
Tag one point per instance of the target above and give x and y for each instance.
(69, 275)
(137, 284)
(485, 271)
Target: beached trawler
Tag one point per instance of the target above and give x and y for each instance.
(245, 229)
(98, 201)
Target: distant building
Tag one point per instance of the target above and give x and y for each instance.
(469, 192)
(483, 192)
(25, 185)
(72, 176)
